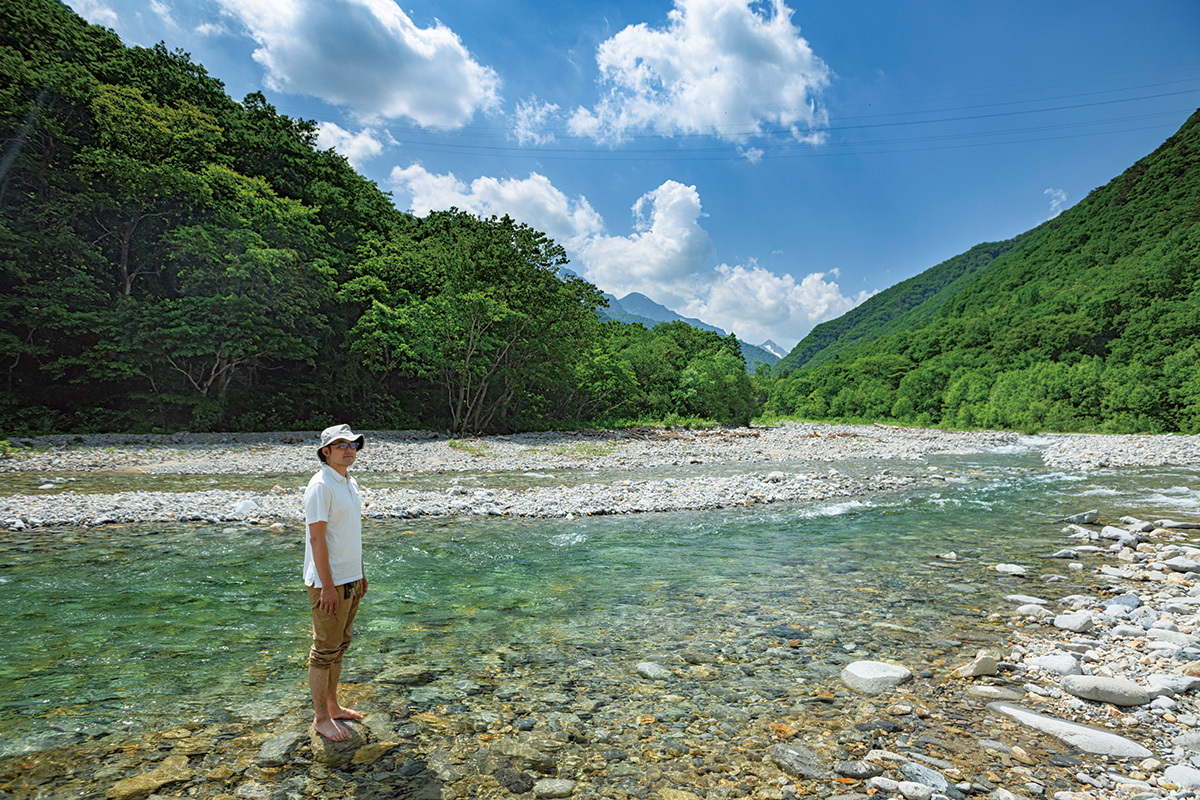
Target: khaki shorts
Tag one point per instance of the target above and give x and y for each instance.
(331, 632)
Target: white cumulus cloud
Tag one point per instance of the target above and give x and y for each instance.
(356, 147)
(665, 256)
(369, 56)
(757, 304)
(534, 201)
(721, 67)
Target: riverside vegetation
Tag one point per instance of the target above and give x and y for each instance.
(171, 259)
(1091, 321)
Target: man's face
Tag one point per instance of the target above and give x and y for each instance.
(337, 457)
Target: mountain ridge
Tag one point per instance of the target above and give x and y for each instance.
(1088, 321)
(636, 307)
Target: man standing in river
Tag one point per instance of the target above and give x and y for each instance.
(333, 573)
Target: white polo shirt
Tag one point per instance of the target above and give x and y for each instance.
(334, 500)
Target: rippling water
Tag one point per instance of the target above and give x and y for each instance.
(123, 626)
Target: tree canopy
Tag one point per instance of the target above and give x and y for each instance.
(171, 258)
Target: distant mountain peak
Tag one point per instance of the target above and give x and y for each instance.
(773, 348)
(636, 307)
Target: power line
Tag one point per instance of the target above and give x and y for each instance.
(794, 149)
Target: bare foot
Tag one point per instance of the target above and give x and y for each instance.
(331, 731)
(337, 712)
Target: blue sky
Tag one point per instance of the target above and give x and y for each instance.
(764, 166)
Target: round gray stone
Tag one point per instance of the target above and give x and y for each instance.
(553, 787)
(1056, 664)
(1118, 691)
(874, 677)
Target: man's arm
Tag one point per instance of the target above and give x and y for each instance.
(320, 553)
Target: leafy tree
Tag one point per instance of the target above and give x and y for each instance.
(478, 309)
(716, 385)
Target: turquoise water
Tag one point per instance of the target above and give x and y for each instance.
(127, 627)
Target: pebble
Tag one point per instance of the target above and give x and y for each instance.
(874, 677)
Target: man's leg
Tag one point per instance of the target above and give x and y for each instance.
(330, 639)
(336, 711)
(318, 684)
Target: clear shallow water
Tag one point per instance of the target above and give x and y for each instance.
(125, 627)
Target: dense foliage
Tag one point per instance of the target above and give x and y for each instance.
(1089, 322)
(171, 258)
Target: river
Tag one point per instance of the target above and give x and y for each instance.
(117, 628)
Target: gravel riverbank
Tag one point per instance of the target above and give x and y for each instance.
(779, 463)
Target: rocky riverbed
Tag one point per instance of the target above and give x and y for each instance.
(1083, 686)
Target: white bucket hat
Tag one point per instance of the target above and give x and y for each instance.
(331, 435)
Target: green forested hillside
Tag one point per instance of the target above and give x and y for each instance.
(1090, 321)
(171, 258)
(908, 304)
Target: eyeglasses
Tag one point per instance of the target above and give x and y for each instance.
(346, 445)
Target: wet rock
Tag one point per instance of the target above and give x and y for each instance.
(338, 754)
(673, 794)
(277, 750)
(515, 781)
(874, 677)
(1084, 518)
(654, 672)
(407, 675)
(524, 756)
(798, 761)
(859, 770)
(990, 693)
(250, 790)
(553, 787)
(984, 663)
(172, 770)
(1118, 691)
(931, 778)
(1082, 737)
(1010, 569)
(370, 753)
